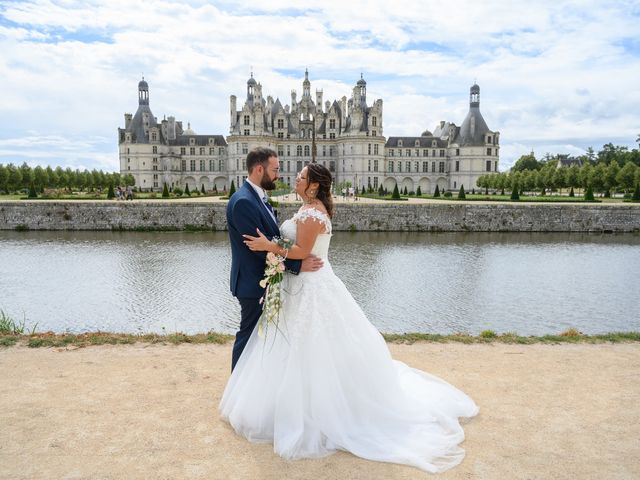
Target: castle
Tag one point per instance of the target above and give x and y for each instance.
(345, 135)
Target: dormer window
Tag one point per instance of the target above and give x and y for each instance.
(488, 138)
(399, 143)
(434, 143)
(192, 141)
(417, 144)
(211, 141)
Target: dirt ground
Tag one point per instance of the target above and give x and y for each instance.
(150, 412)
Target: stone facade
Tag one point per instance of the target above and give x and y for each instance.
(345, 135)
(434, 217)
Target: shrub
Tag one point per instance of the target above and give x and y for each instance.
(186, 190)
(396, 194)
(488, 334)
(177, 191)
(202, 189)
(447, 195)
(588, 196)
(32, 191)
(165, 191)
(514, 192)
(381, 191)
(636, 193)
(436, 194)
(461, 194)
(363, 191)
(571, 194)
(419, 192)
(232, 188)
(110, 194)
(405, 191)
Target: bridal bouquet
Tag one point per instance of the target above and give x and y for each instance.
(273, 275)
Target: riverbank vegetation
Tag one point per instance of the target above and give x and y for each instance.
(49, 339)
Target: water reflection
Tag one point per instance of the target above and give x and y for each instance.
(530, 283)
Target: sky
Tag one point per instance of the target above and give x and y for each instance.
(555, 76)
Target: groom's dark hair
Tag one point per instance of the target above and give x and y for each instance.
(259, 156)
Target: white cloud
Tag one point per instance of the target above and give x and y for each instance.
(554, 75)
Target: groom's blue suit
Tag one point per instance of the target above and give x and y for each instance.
(246, 212)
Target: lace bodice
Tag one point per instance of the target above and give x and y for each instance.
(289, 230)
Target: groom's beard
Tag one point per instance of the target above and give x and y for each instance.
(266, 183)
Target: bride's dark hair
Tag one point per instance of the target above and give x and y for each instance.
(321, 175)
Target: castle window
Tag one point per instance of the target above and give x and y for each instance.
(247, 120)
(192, 141)
(408, 164)
(425, 167)
(369, 165)
(332, 166)
(434, 143)
(374, 121)
(306, 150)
(221, 164)
(417, 144)
(154, 136)
(332, 136)
(488, 165)
(280, 151)
(280, 134)
(417, 152)
(246, 133)
(375, 149)
(245, 148)
(399, 152)
(441, 167)
(202, 164)
(183, 165)
(183, 151)
(192, 151)
(399, 143)
(155, 167)
(324, 150)
(280, 123)
(375, 182)
(374, 133)
(391, 152)
(332, 123)
(433, 153)
(495, 166)
(331, 151)
(489, 151)
(299, 166)
(457, 151)
(155, 149)
(457, 165)
(488, 138)
(299, 150)
(369, 149)
(433, 167)
(417, 167)
(390, 167)
(220, 151)
(288, 150)
(442, 153)
(375, 165)
(212, 151)
(408, 152)
(192, 165)
(399, 167)
(212, 165)
(201, 150)
(425, 153)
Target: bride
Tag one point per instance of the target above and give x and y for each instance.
(324, 380)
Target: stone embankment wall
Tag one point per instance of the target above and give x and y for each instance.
(436, 217)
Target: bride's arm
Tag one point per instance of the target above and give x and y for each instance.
(307, 232)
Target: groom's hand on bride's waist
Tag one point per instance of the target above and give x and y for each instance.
(311, 264)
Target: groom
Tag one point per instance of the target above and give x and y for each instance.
(247, 210)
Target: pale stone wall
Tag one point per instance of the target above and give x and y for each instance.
(453, 217)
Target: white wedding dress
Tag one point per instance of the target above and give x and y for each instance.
(326, 381)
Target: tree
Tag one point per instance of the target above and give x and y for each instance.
(610, 182)
(4, 177)
(40, 176)
(461, 194)
(186, 190)
(599, 177)
(202, 189)
(571, 193)
(15, 177)
(636, 193)
(232, 189)
(526, 162)
(419, 192)
(436, 194)
(405, 190)
(363, 191)
(380, 191)
(396, 194)
(591, 156)
(165, 191)
(110, 193)
(626, 176)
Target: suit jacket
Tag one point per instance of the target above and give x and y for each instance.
(245, 213)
